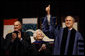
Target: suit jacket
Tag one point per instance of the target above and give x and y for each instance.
(18, 47)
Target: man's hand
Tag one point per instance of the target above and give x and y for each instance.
(47, 9)
(19, 35)
(13, 36)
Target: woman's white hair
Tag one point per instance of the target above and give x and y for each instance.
(35, 33)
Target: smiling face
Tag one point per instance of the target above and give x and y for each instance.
(69, 21)
(17, 26)
(39, 35)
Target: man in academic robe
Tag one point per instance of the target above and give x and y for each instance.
(68, 41)
(48, 23)
(17, 43)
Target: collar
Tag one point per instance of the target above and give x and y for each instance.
(70, 28)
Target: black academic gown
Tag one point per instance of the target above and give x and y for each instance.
(17, 47)
(68, 42)
(38, 44)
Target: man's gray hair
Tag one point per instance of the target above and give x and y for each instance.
(70, 17)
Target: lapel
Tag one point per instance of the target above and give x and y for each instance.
(22, 34)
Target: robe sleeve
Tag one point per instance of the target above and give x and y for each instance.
(56, 42)
(44, 25)
(80, 45)
(49, 29)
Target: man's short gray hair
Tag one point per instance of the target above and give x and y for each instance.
(71, 17)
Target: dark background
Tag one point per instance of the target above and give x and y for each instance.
(27, 9)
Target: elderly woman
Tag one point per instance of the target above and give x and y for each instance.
(42, 47)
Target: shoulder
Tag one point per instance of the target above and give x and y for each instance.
(45, 42)
(59, 30)
(78, 34)
(43, 18)
(54, 17)
(9, 35)
(25, 33)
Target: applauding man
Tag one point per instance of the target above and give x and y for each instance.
(17, 42)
